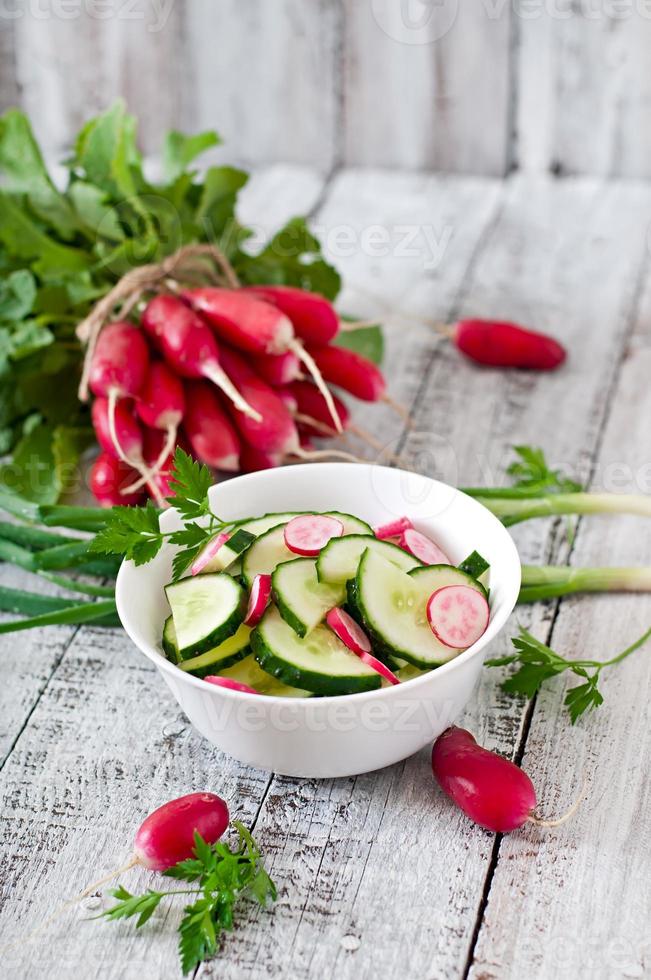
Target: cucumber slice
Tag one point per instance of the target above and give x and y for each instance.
(408, 672)
(339, 560)
(207, 609)
(393, 606)
(320, 663)
(475, 565)
(170, 646)
(248, 671)
(270, 549)
(229, 652)
(302, 600)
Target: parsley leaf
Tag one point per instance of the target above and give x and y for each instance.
(190, 482)
(532, 472)
(133, 532)
(537, 663)
(222, 877)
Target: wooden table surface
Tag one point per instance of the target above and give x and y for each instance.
(379, 875)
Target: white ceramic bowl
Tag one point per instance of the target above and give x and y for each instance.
(345, 735)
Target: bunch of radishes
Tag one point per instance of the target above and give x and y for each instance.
(238, 376)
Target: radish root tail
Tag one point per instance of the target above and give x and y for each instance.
(168, 446)
(316, 454)
(219, 377)
(310, 364)
(539, 822)
(136, 464)
(399, 409)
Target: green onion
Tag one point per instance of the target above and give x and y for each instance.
(76, 518)
(31, 537)
(104, 612)
(16, 555)
(31, 603)
(75, 555)
(550, 581)
(513, 510)
(101, 591)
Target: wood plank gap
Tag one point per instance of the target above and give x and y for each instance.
(513, 94)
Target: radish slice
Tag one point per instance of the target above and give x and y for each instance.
(354, 637)
(423, 548)
(458, 615)
(393, 529)
(230, 684)
(308, 534)
(258, 600)
(208, 553)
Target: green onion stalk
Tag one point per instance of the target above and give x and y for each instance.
(550, 581)
(513, 506)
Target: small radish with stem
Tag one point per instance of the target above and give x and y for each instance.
(254, 326)
(230, 684)
(277, 369)
(108, 476)
(161, 405)
(188, 345)
(354, 637)
(355, 374)
(122, 438)
(258, 599)
(253, 460)
(210, 432)
(158, 483)
(423, 548)
(393, 529)
(458, 615)
(314, 319)
(491, 790)
(309, 533)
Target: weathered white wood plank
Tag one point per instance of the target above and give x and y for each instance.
(265, 76)
(73, 60)
(575, 902)
(584, 88)
(9, 94)
(427, 85)
(387, 878)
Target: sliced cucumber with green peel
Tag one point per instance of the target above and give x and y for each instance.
(225, 654)
(339, 560)
(393, 607)
(248, 671)
(475, 565)
(408, 672)
(270, 550)
(207, 609)
(319, 663)
(302, 600)
(170, 645)
(259, 525)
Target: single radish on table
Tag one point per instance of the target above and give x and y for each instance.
(210, 431)
(258, 599)
(188, 345)
(309, 533)
(255, 326)
(166, 836)
(499, 344)
(107, 479)
(354, 637)
(422, 547)
(458, 615)
(393, 529)
(314, 319)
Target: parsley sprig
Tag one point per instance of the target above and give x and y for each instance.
(222, 876)
(531, 472)
(538, 663)
(134, 532)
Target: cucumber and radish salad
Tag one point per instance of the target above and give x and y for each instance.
(321, 604)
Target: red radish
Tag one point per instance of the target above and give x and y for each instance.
(309, 533)
(423, 548)
(209, 430)
(108, 476)
(288, 399)
(253, 460)
(314, 319)
(277, 369)
(243, 320)
(310, 404)
(506, 345)
(275, 432)
(124, 441)
(161, 405)
(354, 637)
(120, 360)
(229, 683)
(158, 482)
(393, 529)
(258, 600)
(207, 554)
(348, 370)
(188, 345)
(490, 789)
(254, 326)
(458, 615)
(166, 836)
